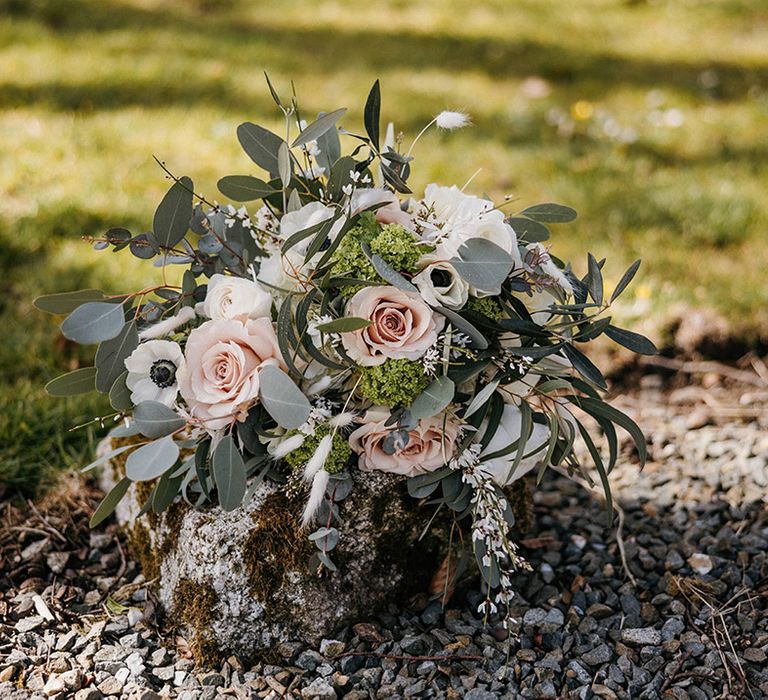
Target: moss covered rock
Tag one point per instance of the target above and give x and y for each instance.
(240, 582)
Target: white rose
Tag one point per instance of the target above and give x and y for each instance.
(508, 432)
(440, 284)
(458, 217)
(282, 273)
(309, 215)
(232, 297)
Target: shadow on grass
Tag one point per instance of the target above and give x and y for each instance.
(292, 49)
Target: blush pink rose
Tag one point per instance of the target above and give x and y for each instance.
(431, 444)
(220, 378)
(402, 326)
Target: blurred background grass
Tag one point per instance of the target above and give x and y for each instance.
(649, 117)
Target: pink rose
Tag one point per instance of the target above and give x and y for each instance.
(430, 445)
(402, 326)
(220, 379)
(389, 211)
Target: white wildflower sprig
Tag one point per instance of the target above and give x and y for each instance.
(490, 527)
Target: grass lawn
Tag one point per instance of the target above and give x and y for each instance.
(649, 117)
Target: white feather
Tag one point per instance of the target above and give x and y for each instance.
(169, 325)
(316, 496)
(288, 445)
(317, 461)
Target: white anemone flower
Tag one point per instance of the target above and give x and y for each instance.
(152, 369)
(440, 284)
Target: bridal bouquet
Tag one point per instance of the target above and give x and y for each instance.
(344, 323)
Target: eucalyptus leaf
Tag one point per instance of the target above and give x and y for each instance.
(584, 366)
(480, 398)
(329, 146)
(79, 381)
(110, 502)
(528, 230)
(67, 302)
(151, 460)
(111, 356)
(632, 341)
(244, 188)
(106, 457)
(173, 214)
(318, 127)
(228, 471)
(483, 264)
(550, 213)
(626, 278)
(595, 279)
(282, 399)
(261, 145)
(284, 164)
(434, 398)
(155, 419)
(94, 322)
(347, 324)
(120, 394)
(372, 114)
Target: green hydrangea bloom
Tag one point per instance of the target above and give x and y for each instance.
(337, 459)
(488, 306)
(392, 242)
(396, 246)
(394, 383)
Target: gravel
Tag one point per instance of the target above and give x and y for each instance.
(693, 623)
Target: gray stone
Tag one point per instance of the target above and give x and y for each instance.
(214, 679)
(88, 694)
(413, 645)
(164, 673)
(534, 616)
(331, 647)
(110, 686)
(671, 629)
(309, 660)
(599, 655)
(247, 620)
(644, 636)
(553, 621)
(319, 689)
(27, 624)
(480, 694)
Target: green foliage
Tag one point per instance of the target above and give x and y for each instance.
(393, 383)
(488, 306)
(337, 459)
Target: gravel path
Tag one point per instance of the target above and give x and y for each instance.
(689, 620)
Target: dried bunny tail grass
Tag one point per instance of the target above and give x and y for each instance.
(317, 461)
(166, 327)
(316, 497)
(452, 120)
(288, 445)
(342, 420)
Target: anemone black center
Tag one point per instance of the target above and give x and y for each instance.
(163, 373)
(440, 278)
